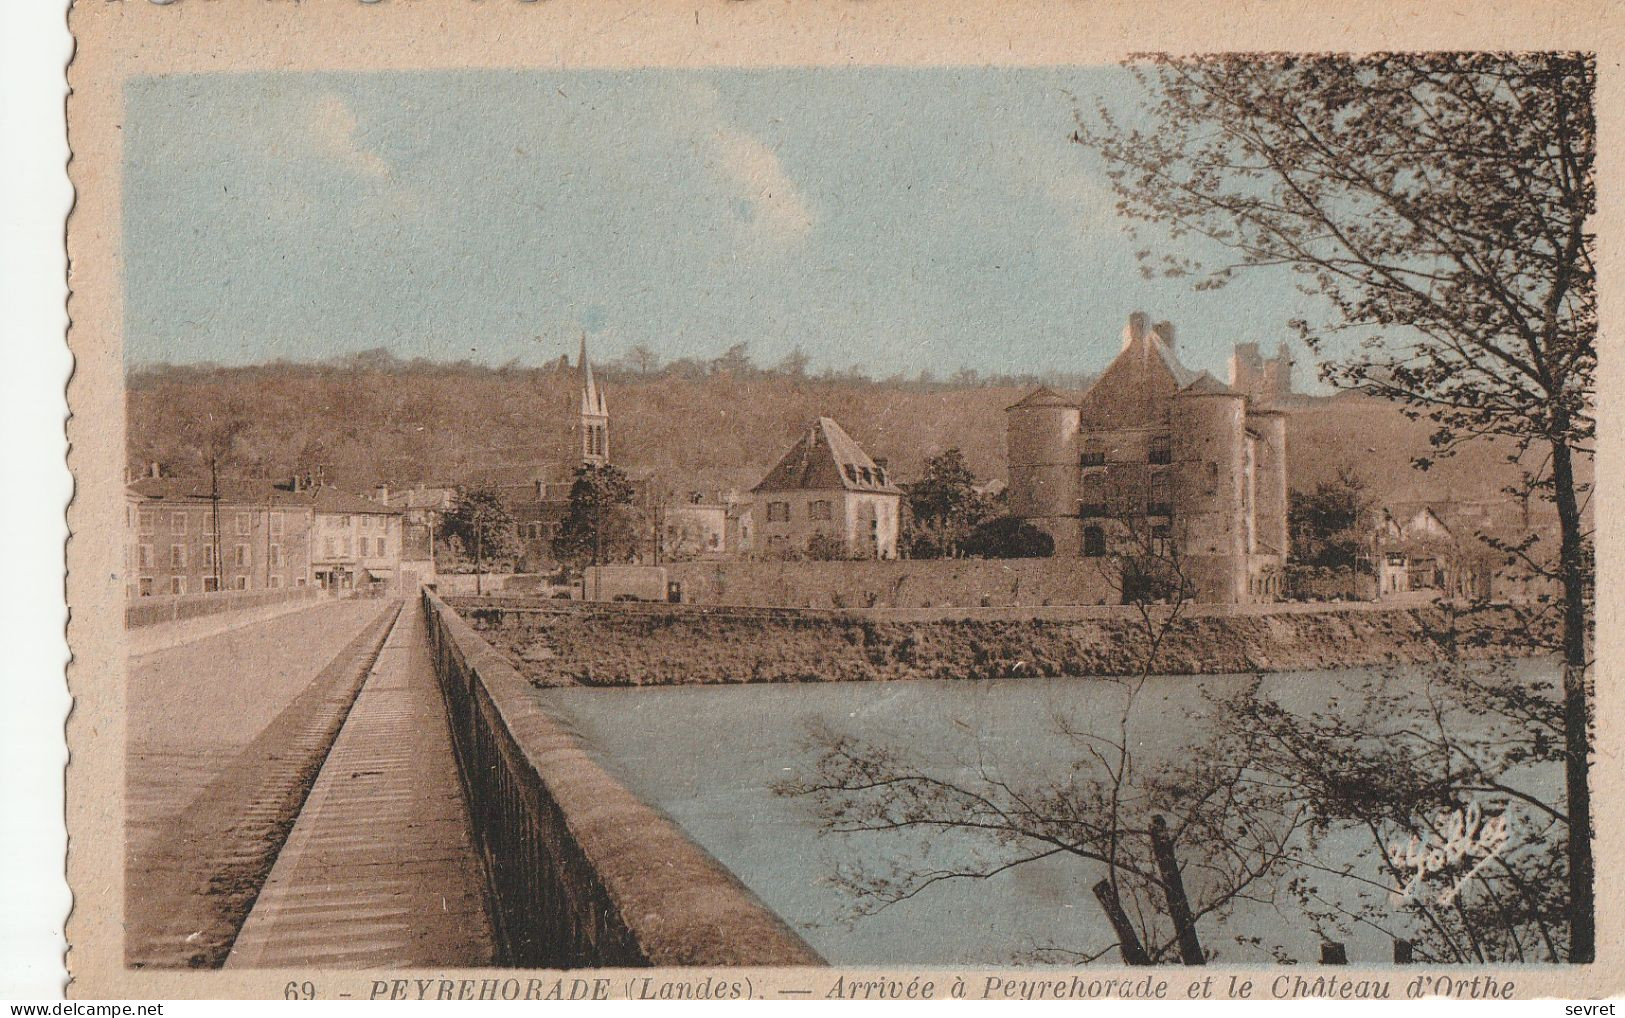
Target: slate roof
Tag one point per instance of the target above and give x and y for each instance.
(820, 461)
(254, 491)
(1206, 385)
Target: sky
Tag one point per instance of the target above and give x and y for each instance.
(898, 220)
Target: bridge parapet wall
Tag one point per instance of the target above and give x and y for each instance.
(581, 872)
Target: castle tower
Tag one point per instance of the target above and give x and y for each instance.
(594, 427)
(1212, 479)
(1044, 466)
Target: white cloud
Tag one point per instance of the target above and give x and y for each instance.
(333, 136)
(778, 213)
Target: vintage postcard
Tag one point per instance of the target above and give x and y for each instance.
(843, 501)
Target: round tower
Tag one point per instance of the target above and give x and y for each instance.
(1041, 439)
(1209, 445)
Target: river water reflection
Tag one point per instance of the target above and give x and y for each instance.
(709, 756)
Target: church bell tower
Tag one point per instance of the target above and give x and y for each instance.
(594, 429)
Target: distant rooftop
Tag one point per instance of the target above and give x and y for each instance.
(826, 457)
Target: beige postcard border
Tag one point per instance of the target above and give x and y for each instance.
(117, 39)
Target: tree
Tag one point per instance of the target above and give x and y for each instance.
(1330, 523)
(601, 525)
(1008, 537)
(1404, 762)
(795, 364)
(1438, 202)
(735, 362)
(479, 523)
(1175, 842)
(642, 359)
(943, 508)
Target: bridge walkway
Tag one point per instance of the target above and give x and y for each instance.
(379, 869)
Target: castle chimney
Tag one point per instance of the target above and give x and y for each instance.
(381, 494)
(1165, 332)
(154, 470)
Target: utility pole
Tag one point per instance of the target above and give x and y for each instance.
(214, 510)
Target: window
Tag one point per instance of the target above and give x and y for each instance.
(344, 521)
(244, 524)
(241, 583)
(1162, 501)
(1094, 542)
(1161, 537)
(819, 510)
(241, 559)
(880, 475)
(1094, 454)
(328, 547)
(1160, 451)
(779, 512)
(177, 584)
(1090, 510)
(177, 523)
(366, 523)
(177, 556)
(276, 582)
(344, 544)
(276, 524)
(276, 555)
(210, 584)
(383, 546)
(208, 522)
(146, 556)
(146, 523)
(851, 473)
(208, 555)
(146, 586)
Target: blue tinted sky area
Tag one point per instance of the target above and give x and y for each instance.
(899, 220)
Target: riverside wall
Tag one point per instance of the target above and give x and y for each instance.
(631, 645)
(909, 583)
(580, 871)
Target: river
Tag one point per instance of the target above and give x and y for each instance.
(710, 756)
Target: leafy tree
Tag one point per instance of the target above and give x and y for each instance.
(601, 525)
(795, 364)
(1008, 537)
(1329, 523)
(943, 508)
(735, 361)
(1439, 203)
(480, 524)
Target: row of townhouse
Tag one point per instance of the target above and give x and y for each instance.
(191, 536)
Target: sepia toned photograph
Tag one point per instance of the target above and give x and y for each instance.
(659, 530)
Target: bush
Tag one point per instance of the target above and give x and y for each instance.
(1009, 537)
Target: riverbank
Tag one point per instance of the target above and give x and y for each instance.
(610, 646)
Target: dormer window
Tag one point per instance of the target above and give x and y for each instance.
(880, 475)
(852, 473)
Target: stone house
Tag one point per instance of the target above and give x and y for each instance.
(190, 536)
(826, 494)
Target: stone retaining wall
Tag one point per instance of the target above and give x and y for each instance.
(581, 872)
(912, 583)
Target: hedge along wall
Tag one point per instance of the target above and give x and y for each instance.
(904, 583)
(581, 872)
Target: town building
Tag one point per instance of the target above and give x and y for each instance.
(197, 536)
(355, 542)
(1262, 380)
(826, 497)
(1157, 462)
(191, 536)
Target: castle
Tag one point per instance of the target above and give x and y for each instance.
(1261, 380)
(1157, 463)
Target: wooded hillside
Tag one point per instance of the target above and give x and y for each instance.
(371, 419)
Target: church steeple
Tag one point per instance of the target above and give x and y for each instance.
(594, 414)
